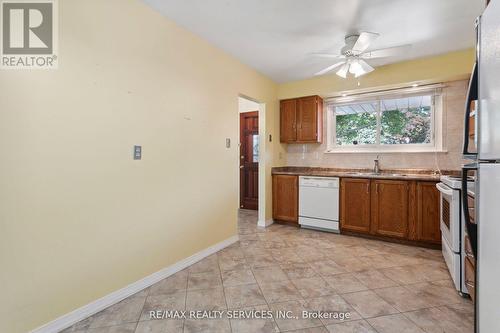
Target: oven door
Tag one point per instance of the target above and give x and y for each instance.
(450, 216)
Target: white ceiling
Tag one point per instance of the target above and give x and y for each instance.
(276, 36)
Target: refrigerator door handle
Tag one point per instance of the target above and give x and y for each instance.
(471, 227)
(472, 94)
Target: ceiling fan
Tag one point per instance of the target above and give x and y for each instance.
(354, 54)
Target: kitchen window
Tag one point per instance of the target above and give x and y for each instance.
(403, 120)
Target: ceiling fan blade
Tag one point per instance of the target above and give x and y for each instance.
(343, 71)
(364, 41)
(388, 52)
(329, 68)
(364, 68)
(328, 55)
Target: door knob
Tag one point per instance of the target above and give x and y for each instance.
(242, 166)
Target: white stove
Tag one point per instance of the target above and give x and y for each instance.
(455, 182)
(452, 224)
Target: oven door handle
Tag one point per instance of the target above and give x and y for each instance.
(444, 189)
(471, 227)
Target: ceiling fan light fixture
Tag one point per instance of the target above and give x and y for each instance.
(356, 68)
(364, 68)
(355, 52)
(342, 72)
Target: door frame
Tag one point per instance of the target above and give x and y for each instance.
(266, 149)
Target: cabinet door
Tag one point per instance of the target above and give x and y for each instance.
(470, 278)
(428, 210)
(286, 198)
(390, 208)
(308, 118)
(288, 121)
(355, 205)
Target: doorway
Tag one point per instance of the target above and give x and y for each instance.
(249, 160)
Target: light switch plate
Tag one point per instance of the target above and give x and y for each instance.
(228, 143)
(137, 152)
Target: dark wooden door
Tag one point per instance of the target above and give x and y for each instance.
(288, 121)
(355, 205)
(390, 208)
(307, 119)
(249, 160)
(428, 211)
(286, 198)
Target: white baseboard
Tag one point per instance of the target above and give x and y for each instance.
(88, 310)
(265, 224)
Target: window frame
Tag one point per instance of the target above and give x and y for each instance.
(437, 130)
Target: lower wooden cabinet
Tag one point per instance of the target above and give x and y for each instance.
(470, 259)
(470, 277)
(428, 213)
(395, 209)
(389, 201)
(355, 205)
(286, 198)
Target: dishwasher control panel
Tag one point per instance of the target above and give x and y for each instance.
(319, 181)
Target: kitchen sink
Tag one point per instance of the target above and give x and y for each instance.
(362, 173)
(376, 174)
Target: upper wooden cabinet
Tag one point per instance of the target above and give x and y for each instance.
(390, 208)
(286, 198)
(301, 120)
(288, 121)
(355, 205)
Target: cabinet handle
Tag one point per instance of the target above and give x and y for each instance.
(376, 188)
(368, 188)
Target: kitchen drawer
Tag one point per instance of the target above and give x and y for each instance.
(472, 209)
(470, 277)
(468, 250)
(472, 215)
(471, 202)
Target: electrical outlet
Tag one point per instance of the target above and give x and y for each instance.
(137, 152)
(228, 143)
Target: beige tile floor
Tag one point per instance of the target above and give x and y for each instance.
(385, 287)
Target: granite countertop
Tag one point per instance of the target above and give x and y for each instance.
(396, 174)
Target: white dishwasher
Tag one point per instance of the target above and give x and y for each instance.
(319, 203)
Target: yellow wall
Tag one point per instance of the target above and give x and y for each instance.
(78, 217)
(448, 67)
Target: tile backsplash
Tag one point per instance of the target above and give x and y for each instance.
(454, 95)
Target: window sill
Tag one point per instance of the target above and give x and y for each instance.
(386, 151)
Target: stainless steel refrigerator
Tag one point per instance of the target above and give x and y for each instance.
(483, 221)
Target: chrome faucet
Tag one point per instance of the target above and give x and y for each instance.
(376, 167)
